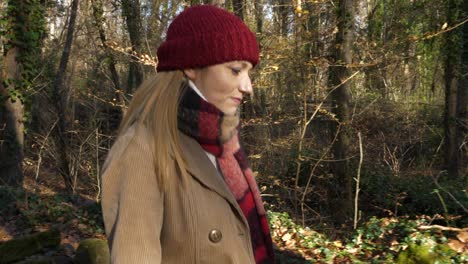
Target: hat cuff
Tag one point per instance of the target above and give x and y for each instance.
(207, 49)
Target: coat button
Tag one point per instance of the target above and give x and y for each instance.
(215, 235)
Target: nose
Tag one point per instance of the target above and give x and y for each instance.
(246, 85)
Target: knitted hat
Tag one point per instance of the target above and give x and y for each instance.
(205, 35)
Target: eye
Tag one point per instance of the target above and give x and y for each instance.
(235, 71)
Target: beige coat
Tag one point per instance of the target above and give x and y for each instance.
(203, 224)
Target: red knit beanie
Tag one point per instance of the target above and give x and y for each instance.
(205, 35)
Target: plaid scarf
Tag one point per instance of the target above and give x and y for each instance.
(218, 134)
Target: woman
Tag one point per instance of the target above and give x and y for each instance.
(176, 185)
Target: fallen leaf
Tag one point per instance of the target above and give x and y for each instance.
(286, 237)
(82, 226)
(256, 156)
(456, 245)
(290, 243)
(463, 237)
(283, 230)
(337, 243)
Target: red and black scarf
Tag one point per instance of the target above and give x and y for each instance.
(218, 134)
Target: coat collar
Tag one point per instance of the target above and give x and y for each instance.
(202, 169)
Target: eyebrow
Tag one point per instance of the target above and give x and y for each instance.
(246, 65)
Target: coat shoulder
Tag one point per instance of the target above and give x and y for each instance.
(136, 136)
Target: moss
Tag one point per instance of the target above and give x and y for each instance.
(92, 251)
(425, 254)
(20, 248)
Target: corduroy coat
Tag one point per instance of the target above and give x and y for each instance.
(201, 223)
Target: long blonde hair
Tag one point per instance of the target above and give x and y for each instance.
(155, 105)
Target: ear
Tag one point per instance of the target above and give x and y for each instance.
(191, 74)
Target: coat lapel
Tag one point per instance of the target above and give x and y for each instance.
(201, 168)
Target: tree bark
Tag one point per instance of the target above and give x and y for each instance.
(11, 123)
(376, 76)
(453, 55)
(238, 6)
(283, 12)
(60, 96)
(341, 192)
(258, 5)
(219, 3)
(99, 22)
(462, 106)
(21, 45)
(132, 14)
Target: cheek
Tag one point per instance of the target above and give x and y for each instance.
(213, 92)
(221, 88)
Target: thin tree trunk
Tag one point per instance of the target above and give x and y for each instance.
(341, 200)
(219, 3)
(258, 5)
(376, 75)
(238, 6)
(99, 21)
(452, 76)
(283, 10)
(132, 14)
(260, 94)
(462, 111)
(60, 95)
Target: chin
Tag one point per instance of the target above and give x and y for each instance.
(230, 111)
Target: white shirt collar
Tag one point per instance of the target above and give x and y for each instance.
(194, 87)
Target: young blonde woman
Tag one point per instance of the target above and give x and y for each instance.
(176, 185)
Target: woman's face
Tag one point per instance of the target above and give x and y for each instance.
(223, 85)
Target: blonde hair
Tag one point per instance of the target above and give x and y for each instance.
(155, 105)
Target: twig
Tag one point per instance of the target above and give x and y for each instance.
(436, 182)
(304, 129)
(429, 36)
(39, 160)
(443, 228)
(313, 171)
(97, 167)
(357, 179)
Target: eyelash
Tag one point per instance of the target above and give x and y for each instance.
(235, 71)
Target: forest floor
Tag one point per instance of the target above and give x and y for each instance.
(43, 204)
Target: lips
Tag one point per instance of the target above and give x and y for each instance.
(237, 100)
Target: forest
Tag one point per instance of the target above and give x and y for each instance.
(357, 131)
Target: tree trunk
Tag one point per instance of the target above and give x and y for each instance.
(260, 94)
(238, 6)
(99, 22)
(376, 75)
(131, 12)
(258, 5)
(283, 12)
(11, 123)
(219, 3)
(453, 55)
(60, 96)
(20, 48)
(341, 192)
(462, 111)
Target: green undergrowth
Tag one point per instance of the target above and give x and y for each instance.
(30, 211)
(414, 195)
(379, 240)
